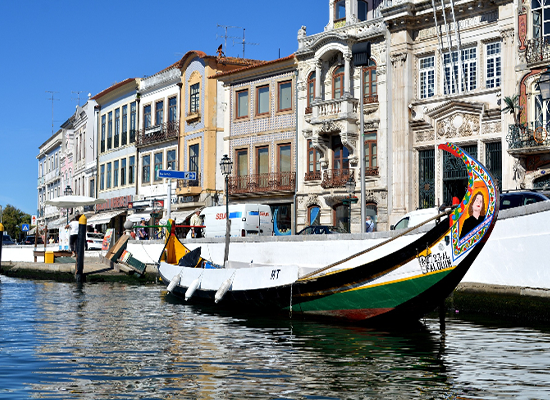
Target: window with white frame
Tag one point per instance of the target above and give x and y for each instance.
(467, 80)
(493, 71)
(427, 77)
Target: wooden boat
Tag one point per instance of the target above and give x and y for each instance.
(395, 284)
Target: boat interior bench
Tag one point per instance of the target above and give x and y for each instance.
(56, 253)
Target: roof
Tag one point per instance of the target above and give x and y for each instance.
(252, 66)
(111, 88)
(220, 59)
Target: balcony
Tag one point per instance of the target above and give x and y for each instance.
(531, 138)
(334, 107)
(158, 133)
(262, 183)
(537, 52)
(335, 178)
(312, 176)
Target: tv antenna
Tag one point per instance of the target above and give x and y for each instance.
(52, 99)
(77, 96)
(241, 39)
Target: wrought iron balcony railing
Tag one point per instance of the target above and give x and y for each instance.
(538, 51)
(335, 178)
(528, 136)
(261, 183)
(313, 176)
(158, 133)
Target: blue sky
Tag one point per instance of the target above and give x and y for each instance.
(85, 47)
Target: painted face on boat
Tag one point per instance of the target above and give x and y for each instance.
(478, 204)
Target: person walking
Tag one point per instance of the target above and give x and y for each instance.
(73, 233)
(142, 233)
(369, 224)
(196, 221)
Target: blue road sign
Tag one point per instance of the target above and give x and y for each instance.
(192, 176)
(25, 227)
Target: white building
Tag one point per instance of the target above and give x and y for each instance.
(49, 178)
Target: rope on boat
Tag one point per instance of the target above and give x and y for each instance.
(307, 276)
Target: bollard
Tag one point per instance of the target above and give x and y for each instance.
(1, 241)
(80, 245)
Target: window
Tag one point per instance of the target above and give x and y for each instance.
(123, 172)
(493, 65)
(313, 162)
(133, 122)
(102, 133)
(341, 154)
(102, 177)
(242, 168)
(314, 215)
(338, 83)
(194, 98)
(341, 218)
(285, 157)
(124, 138)
(369, 83)
(262, 100)
(159, 112)
(194, 158)
(172, 109)
(371, 161)
(147, 117)
(310, 91)
(468, 79)
(285, 95)
(146, 169)
(171, 160)
(362, 10)
(262, 166)
(92, 188)
(242, 104)
(132, 170)
(117, 128)
(427, 77)
(110, 130)
(158, 166)
(115, 173)
(108, 176)
(541, 19)
(339, 10)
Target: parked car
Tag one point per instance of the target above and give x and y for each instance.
(520, 198)
(94, 241)
(320, 230)
(7, 240)
(30, 240)
(415, 217)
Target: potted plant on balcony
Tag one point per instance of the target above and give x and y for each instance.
(511, 106)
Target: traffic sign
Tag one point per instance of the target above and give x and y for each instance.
(25, 227)
(189, 175)
(33, 220)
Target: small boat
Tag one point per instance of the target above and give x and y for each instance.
(399, 279)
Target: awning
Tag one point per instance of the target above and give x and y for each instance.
(56, 224)
(138, 216)
(104, 217)
(178, 216)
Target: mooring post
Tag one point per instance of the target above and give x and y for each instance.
(80, 244)
(1, 241)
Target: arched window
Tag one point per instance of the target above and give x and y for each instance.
(310, 91)
(362, 10)
(314, 215)
(370, 90)
(340, 217)
(339, 10)
(338, 83)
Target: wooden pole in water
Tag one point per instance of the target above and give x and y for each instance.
(1, 241)
(80, 243)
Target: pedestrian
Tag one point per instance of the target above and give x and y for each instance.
(73, 233)
(196, 222)
(142, 233)
(369, 224)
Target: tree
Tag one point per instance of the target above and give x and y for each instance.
(12, 219)
(512, 107)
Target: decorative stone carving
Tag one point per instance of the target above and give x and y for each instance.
(329, 127)
(458, 124)
(507, 34)
(398, 59)
(349, 140)
(519, 173)
(311, 200)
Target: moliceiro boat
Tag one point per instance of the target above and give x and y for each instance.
(403, 278)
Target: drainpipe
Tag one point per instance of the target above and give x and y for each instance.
(296, 152)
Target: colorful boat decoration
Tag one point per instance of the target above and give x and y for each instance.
(400, 283)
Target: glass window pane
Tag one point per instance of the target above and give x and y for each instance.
(242, 104)
(242, 163)
(285, 96)
(263, 160)
(263, 100)
(284, 158)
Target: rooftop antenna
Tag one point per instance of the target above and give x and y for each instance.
(52, 99)
(241, 39)
(245, 42)
(77, 96)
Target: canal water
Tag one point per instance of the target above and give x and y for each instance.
(114, 341)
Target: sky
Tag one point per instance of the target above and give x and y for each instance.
(73, 48)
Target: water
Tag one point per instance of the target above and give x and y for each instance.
(111, 341)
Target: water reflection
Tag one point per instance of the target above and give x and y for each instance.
(107, 340)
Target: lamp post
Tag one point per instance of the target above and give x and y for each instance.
(68, 192)
(350, 188)
(226, 165)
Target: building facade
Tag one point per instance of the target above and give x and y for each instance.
(49, 178)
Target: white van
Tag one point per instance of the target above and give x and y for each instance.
(246, 220)
(416, 217)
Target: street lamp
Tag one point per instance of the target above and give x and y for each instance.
(226, 165)
(350, 188)
(68, 192)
